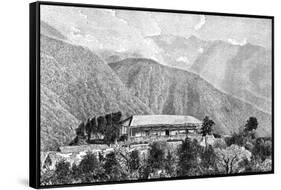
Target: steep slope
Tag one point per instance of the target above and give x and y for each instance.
(169, 90)
(242, 71)
(57, 123)
(75, 85)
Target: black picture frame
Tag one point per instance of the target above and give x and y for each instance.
(34, 89)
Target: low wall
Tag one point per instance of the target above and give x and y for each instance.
(156, 138)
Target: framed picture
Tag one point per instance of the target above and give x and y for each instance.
(126, 94)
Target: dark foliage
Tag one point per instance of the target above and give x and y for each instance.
(76, 172)
(188, 154)
(90, 169)
(217, 135)
(236, 138)
(62, 172)
(156, 156)
(208, 160)
(80, 131)
(262, 149)
(134, 160)
(112, 168)
(169, 164)
(123, 137)
(252, 124)
(144, 171)
(88, 129)
(107, 125)
(88, 163)
(207, 126)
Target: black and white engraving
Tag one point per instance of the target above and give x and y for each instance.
(130, 95)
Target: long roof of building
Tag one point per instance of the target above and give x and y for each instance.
(143, 120)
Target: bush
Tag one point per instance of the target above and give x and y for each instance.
(188, 154)
(236, 138)
(170, 165)
(252, 124)
(112, 168)
(156, 156)
(208, 160)
(262, 149)
(90, 169)
(62, 173)
(134, 160)
(88, 163)
(229, 159)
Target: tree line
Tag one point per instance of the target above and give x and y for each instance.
(242, 152)
(107, 126)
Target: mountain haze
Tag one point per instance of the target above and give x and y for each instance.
(242, 71)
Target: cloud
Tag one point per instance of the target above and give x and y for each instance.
(200, 23)
(236, 42)
(200, 50)
(141, 21)
(182, 59)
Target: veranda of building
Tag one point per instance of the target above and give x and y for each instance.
(147, 128)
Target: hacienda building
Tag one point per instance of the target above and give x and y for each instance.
(142, 128)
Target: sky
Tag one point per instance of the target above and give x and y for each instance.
(126, 30)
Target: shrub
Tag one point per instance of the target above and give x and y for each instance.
(134, 160)
(62, 173)
(262, 149)
(188, 154)
(252, 124)
(90, 169)
(88, 163)
(236, 138)
(229, 159)
(156, 156)
(208, 160)
(112, 168)
(170, 165)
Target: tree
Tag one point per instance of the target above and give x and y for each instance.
(236, 138)
(228, 159)
(88, 163)
(111, 133)
(80, 130)
(47, 177)
(76, 172)
(144, 170)
(188, 155)
(170, 165)
(88, 129)
(262, 149)
(252, 124)
(62, 173)
(90, 169)
(208, 161)
(112, 168)
(156, 156)
(207, 128)
(134, 160)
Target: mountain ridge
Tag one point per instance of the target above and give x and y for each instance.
(79, 84)
(168, 90)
